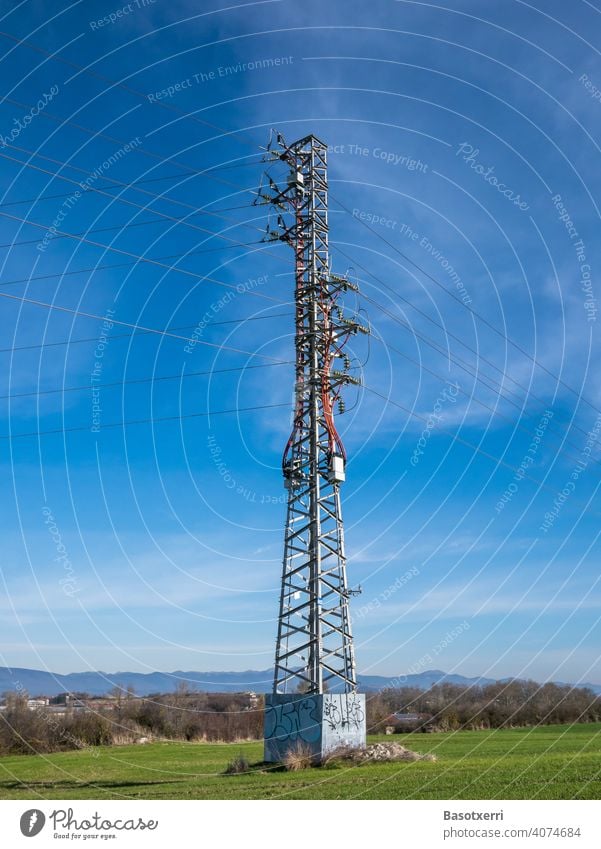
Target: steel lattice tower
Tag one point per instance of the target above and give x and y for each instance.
(314, 649)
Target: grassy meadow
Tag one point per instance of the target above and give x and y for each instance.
(552, 762)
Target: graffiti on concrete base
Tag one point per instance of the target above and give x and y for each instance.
(296, 721)
(344, 714)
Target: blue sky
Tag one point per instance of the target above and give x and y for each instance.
(465, 139)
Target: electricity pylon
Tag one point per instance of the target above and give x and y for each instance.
(314, 649)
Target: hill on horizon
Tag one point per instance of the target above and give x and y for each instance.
(39, 682)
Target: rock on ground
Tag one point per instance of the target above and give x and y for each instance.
(382, 752)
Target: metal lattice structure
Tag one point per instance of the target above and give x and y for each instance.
(314, 650)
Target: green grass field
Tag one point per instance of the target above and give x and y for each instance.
(557, 762)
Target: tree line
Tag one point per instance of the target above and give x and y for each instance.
(196, 716)
(182, 715)
(510, 704)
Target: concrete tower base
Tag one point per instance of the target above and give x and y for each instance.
(319, 723)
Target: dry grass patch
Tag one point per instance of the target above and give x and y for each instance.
(299, 757)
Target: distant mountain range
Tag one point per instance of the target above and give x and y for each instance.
(36, 682)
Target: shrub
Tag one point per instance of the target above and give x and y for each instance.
(238, 766)
(298, 757)
(90, 729)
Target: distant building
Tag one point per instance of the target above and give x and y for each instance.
(401, 722)
(40, 702)
(57, 710)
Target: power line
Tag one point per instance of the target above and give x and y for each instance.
(140, 258)
(156, 157)
(474, 312)
(493, 410)
(39, 198)
(350, 259)
(476, 448)
(486, 380)
(37, 433)
(480, 357)
(130, 203)
(379, 338)
(63, 163)
(123, 200)
(122, 227)
(153, 379)
(431, 320)
(127, 226)
(380, 307)
(136, 326)
(423, 271)
(394, 247)
(376, 304)
(62, 234)
(96, 268)
(142, 151)
(103, 78)
(132, 185)
(116, 183)
(222, 347)
(114, 336)
(130, 90)
(454, 437)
